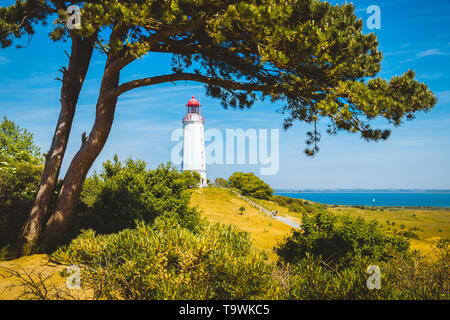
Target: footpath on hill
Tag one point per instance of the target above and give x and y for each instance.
(285, 220)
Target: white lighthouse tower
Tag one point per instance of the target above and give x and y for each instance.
(194, 140)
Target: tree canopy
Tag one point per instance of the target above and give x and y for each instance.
(250, 185)
(20, 172)
(308, 56)
(16, 144)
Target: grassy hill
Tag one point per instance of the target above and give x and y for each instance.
(220, 205)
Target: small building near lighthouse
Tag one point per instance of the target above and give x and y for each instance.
(194, 140)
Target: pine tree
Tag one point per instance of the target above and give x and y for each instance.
(307, 56)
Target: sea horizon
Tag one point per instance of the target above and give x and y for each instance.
(361, 190)
(374, 198)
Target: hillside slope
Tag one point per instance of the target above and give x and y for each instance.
(221, 205)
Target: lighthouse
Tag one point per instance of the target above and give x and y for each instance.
(194, 140)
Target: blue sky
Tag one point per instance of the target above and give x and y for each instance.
(414, 34)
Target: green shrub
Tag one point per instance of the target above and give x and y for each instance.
(167, 261)
(329, 257)
(220, 182)
(20, 174)
(296, 205)
(17, 144)
(338, 239)
(415, 276)
(250, 185)
(283, 201)
(17, 191)
(409, 234)
(403, 276)
(312, 278)
(121, 194)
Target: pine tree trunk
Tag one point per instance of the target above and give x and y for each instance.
(80, 165)
(73, 78)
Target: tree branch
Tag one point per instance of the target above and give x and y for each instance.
(126, 57)
(228, 84)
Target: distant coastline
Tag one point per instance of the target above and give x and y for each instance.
(362, 190)
(378, 197)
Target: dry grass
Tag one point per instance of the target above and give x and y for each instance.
(35, 277)
(282, 211)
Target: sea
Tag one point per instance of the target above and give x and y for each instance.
(400, 199)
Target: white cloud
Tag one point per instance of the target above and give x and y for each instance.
(396, 53)
(430, 76)
(427, 53)
(4, 60)
(443, 97)
(430, 52)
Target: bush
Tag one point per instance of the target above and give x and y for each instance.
(338, 240)
(312, 278)
(296, 205)
(220, 182)
(409, 234)
(404, 276)
(20, 174)
(121, 194)
(17, 144)
(18, 188)
(250, 185)
(415, 276)
(167, 261)
(330, 257)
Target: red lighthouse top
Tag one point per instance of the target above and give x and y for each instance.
(193, 111)
(193, 102)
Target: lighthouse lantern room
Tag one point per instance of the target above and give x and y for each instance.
(194, 140)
